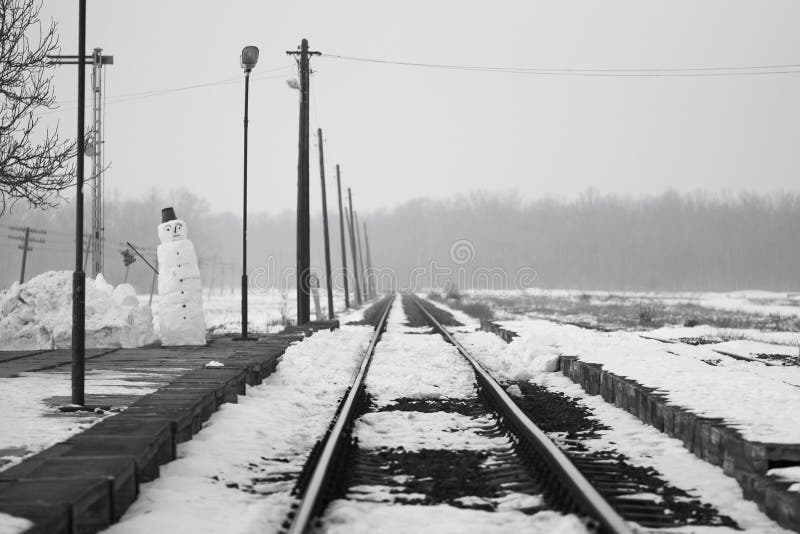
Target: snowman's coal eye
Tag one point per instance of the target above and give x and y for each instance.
(168, 228)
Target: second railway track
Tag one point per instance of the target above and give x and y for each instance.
(490, 457)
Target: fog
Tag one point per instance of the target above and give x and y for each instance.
(671, 241)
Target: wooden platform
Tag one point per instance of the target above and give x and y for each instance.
(87, 482)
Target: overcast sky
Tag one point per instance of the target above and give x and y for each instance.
(402, 132)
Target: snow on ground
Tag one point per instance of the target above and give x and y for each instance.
(414, 431)
(642, 444)
(356, 517)
(38, 314)
(775, 339)
(750, 301)
(411, 364)
(416, 365)
(236, 474)
(752, 397)
(10, 524)
(267, 311)
(30, 423)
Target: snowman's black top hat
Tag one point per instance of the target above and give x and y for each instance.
(167, 214)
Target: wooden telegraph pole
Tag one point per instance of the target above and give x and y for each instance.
(353, 248)
(370, 280)
(303, 216)
(325, 225)
(360, 258)
(341, 232)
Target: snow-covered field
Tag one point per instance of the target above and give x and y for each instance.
(750, 301)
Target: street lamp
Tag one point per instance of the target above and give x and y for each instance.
(248, 60)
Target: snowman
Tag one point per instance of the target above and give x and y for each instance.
(180, 300)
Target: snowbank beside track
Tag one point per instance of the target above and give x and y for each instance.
(38, 314)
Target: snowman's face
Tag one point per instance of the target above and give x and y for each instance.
(172, 231)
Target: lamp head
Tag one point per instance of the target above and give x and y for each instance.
(249, 57)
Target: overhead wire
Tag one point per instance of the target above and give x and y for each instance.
(649, 72)
(128, 97)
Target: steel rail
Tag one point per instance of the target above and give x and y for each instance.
(586, 498)
(312, 497)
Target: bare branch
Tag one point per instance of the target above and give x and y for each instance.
(35, 167)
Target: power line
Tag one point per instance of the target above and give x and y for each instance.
(747, 70)
(128, 97)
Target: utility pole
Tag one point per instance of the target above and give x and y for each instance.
(325, 225)
(353, 248)
(78, 276)
(367, 296)
(370, 280)
(341, 232)
(26, 239)
(303, 215)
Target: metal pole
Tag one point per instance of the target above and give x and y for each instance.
(97, 148)
(325, 225)
(244, 208)
(341, 232)
(353, 247)
(78, 276)
(366, 294)
(24, 254)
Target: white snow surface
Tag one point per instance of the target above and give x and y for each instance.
(356, 517)
(38, 314)
(229, 477)
(31, 424)
(10, 524)
(757, 399)
(414, 431)
(641, 443)
(416, 365)
(750, 301)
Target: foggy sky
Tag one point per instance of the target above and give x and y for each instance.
(402, 132)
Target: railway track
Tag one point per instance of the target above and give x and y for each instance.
(518, 456)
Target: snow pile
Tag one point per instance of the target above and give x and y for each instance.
(522, 359)
(10, 524)
(38, 314)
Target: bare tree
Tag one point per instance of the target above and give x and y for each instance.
(35, 166)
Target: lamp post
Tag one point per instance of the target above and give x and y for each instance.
(248, 58)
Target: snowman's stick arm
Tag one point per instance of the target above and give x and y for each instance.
(140, 255)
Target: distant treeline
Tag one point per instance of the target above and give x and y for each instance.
(670, 241)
